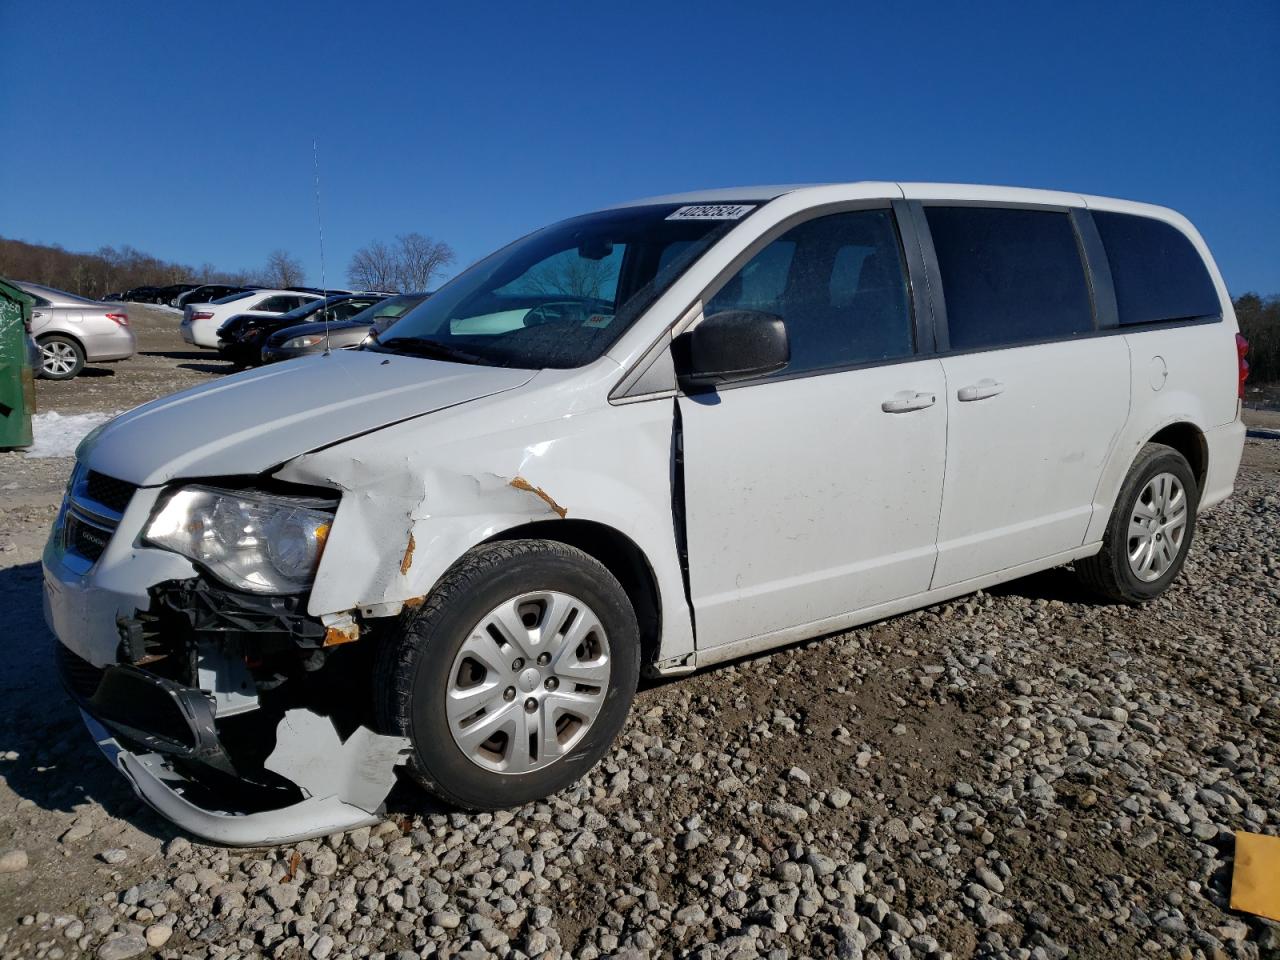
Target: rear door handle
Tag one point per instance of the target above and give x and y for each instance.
(904, 401)
(980, 390)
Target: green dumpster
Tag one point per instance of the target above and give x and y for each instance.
(17, 387)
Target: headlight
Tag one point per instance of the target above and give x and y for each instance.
(253, 541)
(297, 343)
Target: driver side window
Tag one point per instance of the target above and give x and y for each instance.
(840, 286)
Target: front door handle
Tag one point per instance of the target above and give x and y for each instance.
(904, 401)
(980, 390)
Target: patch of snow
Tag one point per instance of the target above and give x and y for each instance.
(56, 435)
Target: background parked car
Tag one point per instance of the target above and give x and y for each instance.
(72, 330)
(146, 294)
(209, 292)
(309, 338)
(167, 295)
(200, 322)
(242, 338)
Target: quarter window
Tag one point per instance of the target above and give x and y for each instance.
(1009, 276)
(1157, 273)
(839, 285)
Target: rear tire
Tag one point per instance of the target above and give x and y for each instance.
(61, 357)
(514, 677)
(1150, 530)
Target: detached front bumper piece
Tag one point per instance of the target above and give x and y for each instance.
(345, 783)
(168, 747)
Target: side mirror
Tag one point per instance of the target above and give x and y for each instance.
(734, 345)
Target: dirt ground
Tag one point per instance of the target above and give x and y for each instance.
(920, 753)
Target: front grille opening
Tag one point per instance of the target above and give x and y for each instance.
(108, 491)
(85, 539)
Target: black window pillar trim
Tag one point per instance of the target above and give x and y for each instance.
(922, 318)
(1097, 270)
(928, 260)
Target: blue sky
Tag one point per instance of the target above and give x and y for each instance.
(185, 130)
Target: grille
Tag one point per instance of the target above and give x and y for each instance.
(86, 539)
(109, 491)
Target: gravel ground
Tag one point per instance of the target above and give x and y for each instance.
(1021, 773)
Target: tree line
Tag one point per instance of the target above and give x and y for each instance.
(411, 262)
(1260, 323)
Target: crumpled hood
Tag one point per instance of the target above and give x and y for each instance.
(249, 422)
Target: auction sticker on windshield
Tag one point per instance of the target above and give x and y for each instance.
(713, 211)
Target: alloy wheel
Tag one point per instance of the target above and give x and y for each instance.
(57, 359)
(528, 682)
(1157, 527)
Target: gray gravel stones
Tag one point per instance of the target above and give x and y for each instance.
(12, 861)
(121, 948)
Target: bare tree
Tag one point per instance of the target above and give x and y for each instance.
(374, 267)
(420, 260)
(283, 270)
(569, 276)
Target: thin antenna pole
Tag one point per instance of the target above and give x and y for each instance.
(324, 292)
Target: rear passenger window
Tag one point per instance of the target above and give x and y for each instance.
(1158, 274)
(839, 285)
(1009, 276)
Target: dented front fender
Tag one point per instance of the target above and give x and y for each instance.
(418, 495)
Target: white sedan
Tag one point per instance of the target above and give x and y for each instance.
(200, 321)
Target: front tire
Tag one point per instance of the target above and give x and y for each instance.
(1150, 530)
(61, 358)
(515, 676)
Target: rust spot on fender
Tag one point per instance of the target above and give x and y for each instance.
(341, 633)
(413, 603)
(407, 560)
(520, 483)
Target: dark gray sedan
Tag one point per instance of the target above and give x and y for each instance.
(308, 338)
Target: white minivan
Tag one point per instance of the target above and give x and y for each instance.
(643, 440)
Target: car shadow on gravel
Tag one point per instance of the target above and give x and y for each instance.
(1059, 584)
(58, 767)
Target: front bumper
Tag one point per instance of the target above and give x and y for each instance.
(157, 782)
(247, 352)
(171, 741)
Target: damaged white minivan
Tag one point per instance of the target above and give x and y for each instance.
(642, 440)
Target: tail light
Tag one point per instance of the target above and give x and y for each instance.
(1242, 351)
(120, 318)
(201, 315)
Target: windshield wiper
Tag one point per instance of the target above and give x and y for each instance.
(434, 349)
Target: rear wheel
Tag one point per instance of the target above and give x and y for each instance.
(61, 358)
(516, 675)
(1150, 530)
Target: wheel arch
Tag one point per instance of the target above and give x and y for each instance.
(620, 555)
(1188, 440)
(47, 334)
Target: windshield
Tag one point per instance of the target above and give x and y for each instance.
(384, 314)
(559, 297)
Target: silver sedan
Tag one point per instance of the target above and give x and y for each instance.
(72, 331)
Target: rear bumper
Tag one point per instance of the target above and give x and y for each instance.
(1225, 446)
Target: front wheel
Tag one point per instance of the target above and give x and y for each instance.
(1150, 530)
(514, 677)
